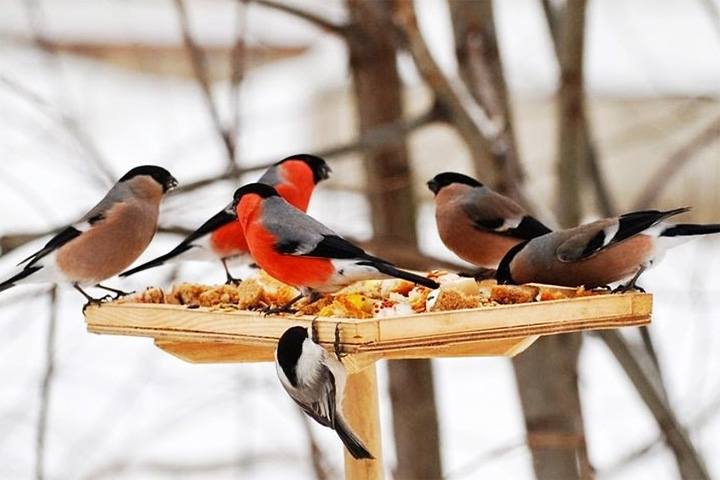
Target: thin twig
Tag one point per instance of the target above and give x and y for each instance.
(374, 139)
(605, 202)
(238, 57)
(317, 458)
(35, 15)
(48, 376)
(318, 21)
(462, 111)
(199, 66)
(484, 458)
(480, 67)
(677, 161)
(689, 460)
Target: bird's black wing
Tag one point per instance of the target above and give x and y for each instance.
(53, 244)
(218, 220)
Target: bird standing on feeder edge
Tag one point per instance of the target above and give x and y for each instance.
(105, 240)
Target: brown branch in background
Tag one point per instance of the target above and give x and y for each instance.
(378, 100)
(174, 469)
(369, 141)
(606, 204)
(689, 461)
(458, 105)
(318, 21)
(238, 58)
(373, 139)
(676, 162)
(68, 121)
(48, 376)
(199, 66)
(480, 67)
(700, 420)
(317, 458)
(571, 107)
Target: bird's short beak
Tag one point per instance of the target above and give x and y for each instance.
(325, 172)
(230, 209)
(171, 184)
(433, 186)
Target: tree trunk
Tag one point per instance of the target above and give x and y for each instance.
(546, 374)
(378, 91)
(480, 67)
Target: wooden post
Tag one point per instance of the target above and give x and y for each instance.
(362, 412)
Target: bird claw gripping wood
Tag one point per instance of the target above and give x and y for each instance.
(337, 348)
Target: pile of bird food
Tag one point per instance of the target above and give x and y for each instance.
(367, 299)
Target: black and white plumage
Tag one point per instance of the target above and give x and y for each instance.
(599, 253)
(316, 382)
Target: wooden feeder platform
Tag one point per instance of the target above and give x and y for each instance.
(205, 335)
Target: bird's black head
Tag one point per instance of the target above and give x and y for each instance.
(289, 349)
(159, 174)
(503, 274)
(447, 178)
(264, 191)
(321, 170)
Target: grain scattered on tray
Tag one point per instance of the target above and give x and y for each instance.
(367, 299)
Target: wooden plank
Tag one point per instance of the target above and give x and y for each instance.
(362, 412)
(211, 335)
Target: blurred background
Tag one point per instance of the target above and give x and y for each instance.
(577, 109)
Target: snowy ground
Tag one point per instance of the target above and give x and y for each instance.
(120, 408)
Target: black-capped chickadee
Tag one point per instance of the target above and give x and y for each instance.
(316, 382)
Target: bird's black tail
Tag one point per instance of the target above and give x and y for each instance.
(689, 229)
(350, 440)
(158, 261)
(10, 282)
(388, 269)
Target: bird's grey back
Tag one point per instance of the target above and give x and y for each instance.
(287, 222)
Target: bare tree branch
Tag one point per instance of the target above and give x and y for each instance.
(176, 469)
(317, 458)
(373, 139)
(459, 106)
(605, 202)
(47, 379)
(689, 460)
(676, 162)
(238, 60)
(197, 60)
(480, 67)
(322, 23)
(69, 122)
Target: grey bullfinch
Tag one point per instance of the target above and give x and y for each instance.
(599, 253)
(478, 224)
(105, 240)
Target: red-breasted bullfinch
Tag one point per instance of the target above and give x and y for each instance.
(598, 253)
(296, 249)
(478, 224)
(221, 237)
(105, 240)
(315, 380)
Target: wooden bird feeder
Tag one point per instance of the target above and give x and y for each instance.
(204, 335)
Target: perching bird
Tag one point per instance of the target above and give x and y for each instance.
(296, 249)
(221, 237)
(598, 253)
(107, 239)
(478, 224)
(315, 380)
